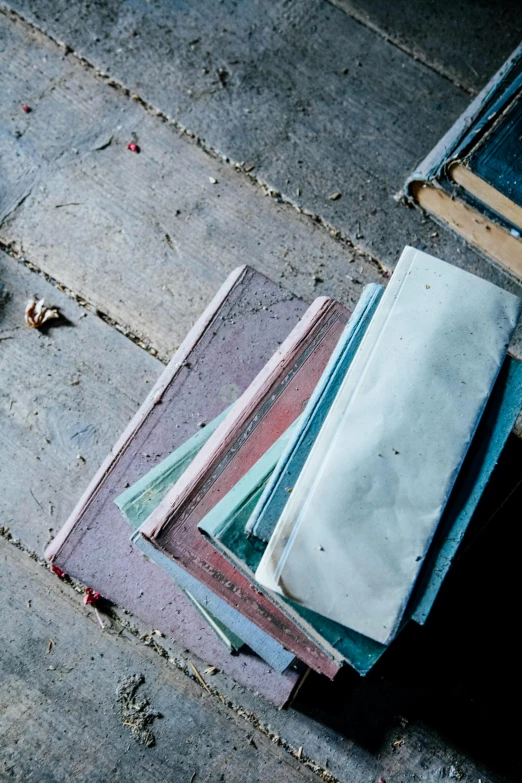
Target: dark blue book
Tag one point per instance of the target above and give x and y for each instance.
(472, 179)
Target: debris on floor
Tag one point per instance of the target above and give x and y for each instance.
(37, 314)
(199, 677)
(135, 712)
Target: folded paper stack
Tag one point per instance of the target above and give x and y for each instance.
(341, 461)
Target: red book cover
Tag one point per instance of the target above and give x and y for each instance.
(267, 408)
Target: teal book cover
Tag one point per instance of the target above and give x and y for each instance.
(139, 500)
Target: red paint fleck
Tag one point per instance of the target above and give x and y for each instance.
(26, 108)
(133, 147)
(90, 596)
(58, 571)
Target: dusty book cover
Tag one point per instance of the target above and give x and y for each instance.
(238, 332)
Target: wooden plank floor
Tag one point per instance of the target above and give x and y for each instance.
(146, 238)
(140, 243)
(466, 42)
(263, 84)
(58, 700)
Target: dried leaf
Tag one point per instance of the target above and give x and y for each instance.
(210, 670)
(37, 314)
(335, 196)
(50, 646)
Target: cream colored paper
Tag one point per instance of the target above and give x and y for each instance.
(361, 516)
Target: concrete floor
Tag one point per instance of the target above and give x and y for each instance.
(282, 104)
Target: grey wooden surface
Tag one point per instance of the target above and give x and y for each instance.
(58, 714)
(464, 40)
(66, 394)
(263, 83)
(145, 238)
(122, 245)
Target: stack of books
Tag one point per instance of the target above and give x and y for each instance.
(296, 486)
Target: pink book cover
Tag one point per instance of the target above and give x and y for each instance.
(267, 408)
(240, 329)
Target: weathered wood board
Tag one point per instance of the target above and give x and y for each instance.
(147, 238)
(465, 41)
(65, 397)
(280, 101)
(59, 718)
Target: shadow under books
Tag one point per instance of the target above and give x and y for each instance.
(458, 675)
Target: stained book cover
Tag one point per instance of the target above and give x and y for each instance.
(229, 345)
